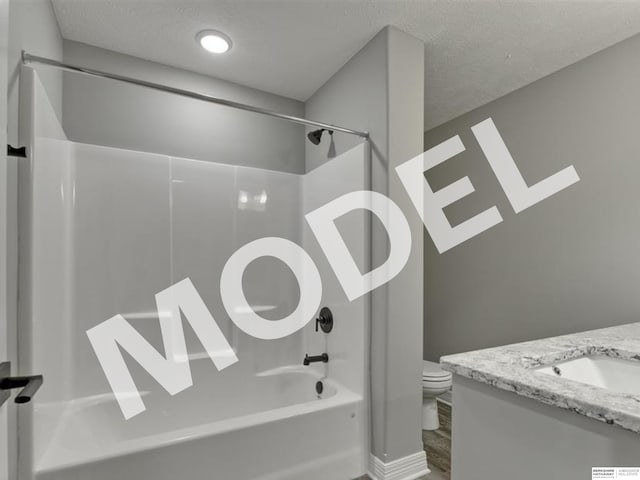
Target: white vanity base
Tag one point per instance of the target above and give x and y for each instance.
(499, 435)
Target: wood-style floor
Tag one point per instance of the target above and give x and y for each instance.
(437, 444)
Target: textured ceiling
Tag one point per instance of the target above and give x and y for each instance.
(476, 51)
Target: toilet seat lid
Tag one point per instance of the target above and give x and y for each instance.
(432, 371)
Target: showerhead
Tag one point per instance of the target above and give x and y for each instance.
(315, 136)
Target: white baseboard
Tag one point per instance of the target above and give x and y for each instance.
(410, 467)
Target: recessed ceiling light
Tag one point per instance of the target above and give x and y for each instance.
(214, 41)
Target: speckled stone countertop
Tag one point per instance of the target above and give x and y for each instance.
(511, 368)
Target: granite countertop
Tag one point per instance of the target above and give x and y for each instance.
(511, 367)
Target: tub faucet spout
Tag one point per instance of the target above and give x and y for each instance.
(315, 358)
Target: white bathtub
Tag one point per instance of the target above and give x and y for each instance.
(277, 428)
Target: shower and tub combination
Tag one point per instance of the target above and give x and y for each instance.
(103, 230)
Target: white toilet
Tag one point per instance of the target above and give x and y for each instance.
(435, 381)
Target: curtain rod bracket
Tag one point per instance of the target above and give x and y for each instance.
(20, 152)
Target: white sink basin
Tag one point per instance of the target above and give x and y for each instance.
(615, 374)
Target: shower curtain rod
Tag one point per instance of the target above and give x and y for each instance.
(28, 58)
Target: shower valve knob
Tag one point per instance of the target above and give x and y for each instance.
(325, 320)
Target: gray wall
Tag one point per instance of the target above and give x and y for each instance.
(380, 90)
(570, 262)
(32, 27)
(5, 441)
(105, 112)
(29, 25)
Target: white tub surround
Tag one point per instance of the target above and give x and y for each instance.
(515, 368)
(106, 229)
(514, 420)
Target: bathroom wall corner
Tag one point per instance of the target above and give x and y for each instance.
(33, 27)
(7, 341)
(380, 89)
